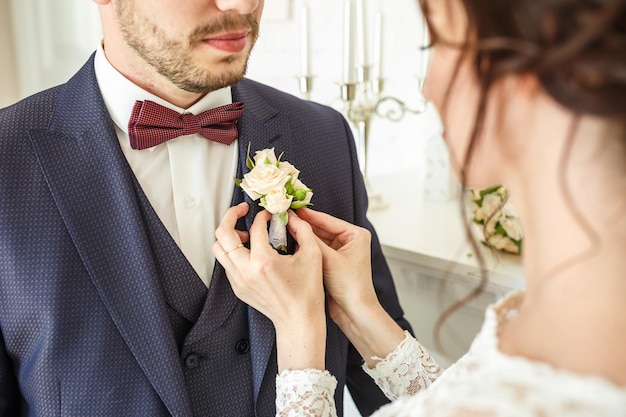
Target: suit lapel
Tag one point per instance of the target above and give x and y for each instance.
(261, 127)
(91, 184)
(90, 181)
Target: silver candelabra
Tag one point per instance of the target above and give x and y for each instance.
(361, 101)
(361, 90)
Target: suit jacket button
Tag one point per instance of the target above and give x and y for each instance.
(192, 361)
(243, 346)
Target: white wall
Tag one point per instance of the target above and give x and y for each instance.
(8, 71)
(52, 40)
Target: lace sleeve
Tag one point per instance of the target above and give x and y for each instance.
(406, 370)
(305, 393)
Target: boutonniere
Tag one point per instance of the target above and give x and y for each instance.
(276, 185)
(499, 223)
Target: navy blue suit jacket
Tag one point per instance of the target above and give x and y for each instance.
(83, 326)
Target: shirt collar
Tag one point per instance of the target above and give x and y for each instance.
(120, 94)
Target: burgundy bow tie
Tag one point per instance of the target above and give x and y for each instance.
(152, 124)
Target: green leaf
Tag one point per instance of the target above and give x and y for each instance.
(489, 190)
(238, 182)
(249, 161)
(500, 230)
(279, 157)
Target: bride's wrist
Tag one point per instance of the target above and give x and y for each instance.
(357, 312)
(301, 344)
(373, 333)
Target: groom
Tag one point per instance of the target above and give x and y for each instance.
(111, 303)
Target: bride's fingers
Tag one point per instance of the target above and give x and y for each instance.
(302, 233)
(243, 235)
(218, 251)
(335, 233)
(228, 239)
(226, 229)
(259, 237)
(231, 257)
(324, 225)
(323, 220)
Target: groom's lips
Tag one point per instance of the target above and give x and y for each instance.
(230, 42)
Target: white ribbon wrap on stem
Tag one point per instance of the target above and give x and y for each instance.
(278, 233)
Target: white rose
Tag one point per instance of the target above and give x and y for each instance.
(491, 203)
(503, 243)
(263, 179)
(474, 207)
(474, 194)
(276, 201)
(490, 227)
(262, 157)
(298, 185)
(502, 191)
(511, 247)
(512, 227)
(498, 241)
(479, 214)
(509, 211)
(290, 170)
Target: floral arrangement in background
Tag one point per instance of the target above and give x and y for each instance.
(499, 224)
(275, 183)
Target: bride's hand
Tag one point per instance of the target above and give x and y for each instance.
(347, 264)
(352, 300)
(288, 289)
(279, 286)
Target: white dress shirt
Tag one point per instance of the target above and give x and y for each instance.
(188, 180)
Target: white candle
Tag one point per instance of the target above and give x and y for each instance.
(378, 46)
(304, 41)
(348, 43)
(361, 33)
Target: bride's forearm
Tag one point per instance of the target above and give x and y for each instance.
(372, 332)
(301, 345)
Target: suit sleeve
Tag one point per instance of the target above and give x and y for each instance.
(364, 391)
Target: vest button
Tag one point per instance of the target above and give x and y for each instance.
(192, 361)
(243, 346)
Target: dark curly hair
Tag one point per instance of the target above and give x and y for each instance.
(575, 48)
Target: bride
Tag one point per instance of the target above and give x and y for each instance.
(532, 95)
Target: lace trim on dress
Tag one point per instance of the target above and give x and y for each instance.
(305, 393)
(406, 370)
(484, 382)
(488, 383)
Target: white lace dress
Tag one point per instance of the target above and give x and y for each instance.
(483, 383)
